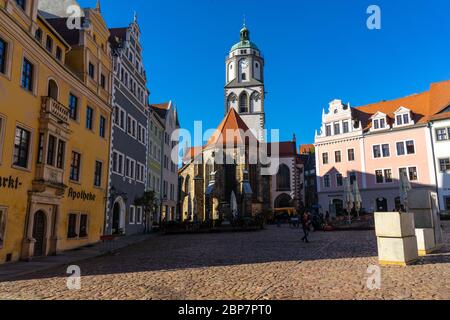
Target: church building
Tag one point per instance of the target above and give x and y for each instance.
(226, 177)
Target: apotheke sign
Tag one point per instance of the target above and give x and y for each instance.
(81, 195)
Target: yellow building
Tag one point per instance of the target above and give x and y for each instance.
(55, 115)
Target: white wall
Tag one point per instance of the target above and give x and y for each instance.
(441, 150)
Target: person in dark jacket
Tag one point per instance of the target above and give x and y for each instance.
(306, 224)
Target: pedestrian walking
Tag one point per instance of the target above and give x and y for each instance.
(306, 225)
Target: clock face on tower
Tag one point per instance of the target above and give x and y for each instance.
(244, 64)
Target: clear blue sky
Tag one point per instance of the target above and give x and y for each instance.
(315, 51)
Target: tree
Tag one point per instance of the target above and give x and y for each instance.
(149, 204)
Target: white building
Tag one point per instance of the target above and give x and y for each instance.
(440, 131)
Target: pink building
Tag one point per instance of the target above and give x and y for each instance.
(373, 144)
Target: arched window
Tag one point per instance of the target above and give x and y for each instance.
(243, 103)
(52, 89)
(284, 178)
(230, 100)
(253, 99)
(208, 171)
(187, 185)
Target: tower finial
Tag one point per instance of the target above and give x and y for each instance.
(244, 23)
(97, 7)
(135, 17)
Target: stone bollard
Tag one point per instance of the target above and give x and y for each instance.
(424, 205)
(396, 238)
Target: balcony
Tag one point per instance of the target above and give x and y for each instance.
(53, 110)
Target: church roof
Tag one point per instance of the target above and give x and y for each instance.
(232, 128)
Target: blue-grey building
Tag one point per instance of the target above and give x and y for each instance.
(129, 143)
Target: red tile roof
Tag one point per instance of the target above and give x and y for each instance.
(423, 105)
(306, 148)
(232, 127)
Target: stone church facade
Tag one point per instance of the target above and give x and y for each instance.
(226, 177)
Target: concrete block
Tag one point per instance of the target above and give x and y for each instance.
(397, 251)
(394, 224)
(419, 199)
(426, 241)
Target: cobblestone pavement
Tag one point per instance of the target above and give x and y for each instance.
(271, 264)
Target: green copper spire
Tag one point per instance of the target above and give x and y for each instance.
(245, 39)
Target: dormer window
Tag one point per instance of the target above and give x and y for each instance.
(403, 117)
(379, 121)
(379, 124)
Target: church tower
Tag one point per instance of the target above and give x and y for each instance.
(244, 89)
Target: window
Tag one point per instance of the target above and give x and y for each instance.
(444, 165)
(118, 162)
(89, 117)
(103, 81)
(73, 107)
(38, 35)
(2, 129)
(27, 75)
(2, 225)
(283, 178)
(83, 226)
(388, 175)
(58, 53)
(49, 44)
(132, 217)
(21, 147)
(3, 48)
(337, 128)
(410, 148)
(40, 156)
(339, 180)
(75, 165)
(337, 156)
(326, 181)
(345, 128)
(325, 158)
(405, 147)
(351, 154)
(91, 71)
(328, 130)
(400, 148)
(60, 154)
(131, 126)
(381, 151)
(447, 203)
(411, 173)
(379, 176)
(139, 215)
(98, 174)
(243, 102)
(386, 150)
(22, 4)
(442, 134)
(72, 226)
(51, 148)
(130, 168)
(77, 226)
(244, 76)
(102, 126)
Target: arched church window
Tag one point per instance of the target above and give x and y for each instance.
(208, 171)
(187, 185)
(257, 65)
(243, 103)
(244, 76)
(284, 178)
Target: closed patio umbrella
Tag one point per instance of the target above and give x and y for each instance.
(405, 187)
(357, 197)
(348, 198)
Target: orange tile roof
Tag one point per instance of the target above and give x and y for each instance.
(423, 105)
(232, 127)
(164, 106)
(306, 148)
(191, 153)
